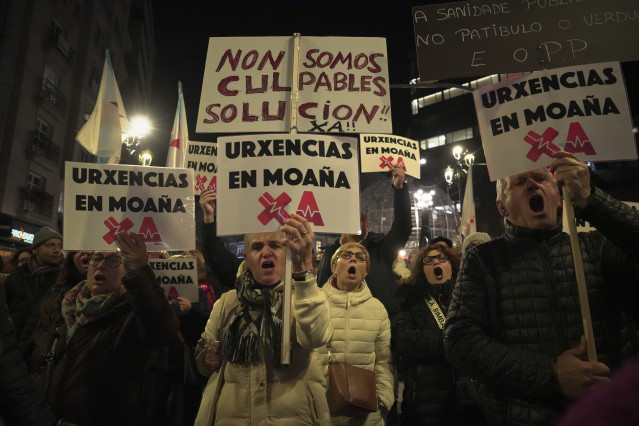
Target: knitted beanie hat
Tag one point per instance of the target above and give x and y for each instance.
(475, 236)
(45, 233)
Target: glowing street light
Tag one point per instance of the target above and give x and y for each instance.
(145, 158)
(448, 174)
(457, 152)
(140, 126)
(469, 159)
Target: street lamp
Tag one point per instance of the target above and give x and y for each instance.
(145, 158)
(448, 175)
(469, 159)
(139, 127)
(457, 152)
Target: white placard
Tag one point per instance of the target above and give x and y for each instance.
(202, 158)
(102, 200)
(343, 85)
(177, 277)
(379, 153)
(581, 109)
(262, 179)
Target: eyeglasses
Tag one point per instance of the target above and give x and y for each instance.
(361, 257)
(428, 260)
(112, 260)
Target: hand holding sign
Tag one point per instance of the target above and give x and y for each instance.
(300, 240)
(399, 174)
(207, 202)
(133, 251)
(572, 174)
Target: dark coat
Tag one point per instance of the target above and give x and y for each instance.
(383, 249)
(24, 295)
(429, 380)
(515, 308)
(222, 263)
(20, 403)
(98, 376)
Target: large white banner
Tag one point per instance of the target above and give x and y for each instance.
(177, 277)
(581, 109)
(343, 85)
(262, 179)
(102, 200)
(379, 153)
(202, 158)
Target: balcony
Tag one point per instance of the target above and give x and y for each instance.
(47, 91)
(43, 146)
(35, 201)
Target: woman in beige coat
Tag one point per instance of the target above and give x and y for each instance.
(240, 346)
(361, 335)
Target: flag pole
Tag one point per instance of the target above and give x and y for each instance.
(286, 312)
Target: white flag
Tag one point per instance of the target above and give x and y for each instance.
(179, 134)
(468, 225)
(102, 134)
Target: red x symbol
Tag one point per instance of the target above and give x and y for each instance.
(386, 162)
(274, 208)
(213, 183)
(201, 180)
(400, 163)
(115, 228)
(541, 144)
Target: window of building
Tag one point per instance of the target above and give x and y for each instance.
(43, 131)
(50, 81)
(436, 141)
(94, 78)
(36, 182)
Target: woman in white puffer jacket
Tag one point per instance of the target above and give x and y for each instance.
(361, 327)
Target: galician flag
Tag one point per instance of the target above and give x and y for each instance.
(108, 125)
(179, 135)
(468, 225)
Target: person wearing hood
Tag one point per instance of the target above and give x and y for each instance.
(417, 321)
(362, 334)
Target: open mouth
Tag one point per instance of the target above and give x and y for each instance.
(268, 265)
(536, 203)
(352, 270)
(99, 278)
(439, 272)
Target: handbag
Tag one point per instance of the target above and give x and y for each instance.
(352, 391)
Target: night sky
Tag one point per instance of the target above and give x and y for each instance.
(182, 30)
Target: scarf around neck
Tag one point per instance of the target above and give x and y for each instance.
(80, 308)
(255, 329)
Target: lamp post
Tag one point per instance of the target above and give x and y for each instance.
(140, 126)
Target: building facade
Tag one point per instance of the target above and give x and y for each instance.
(51, 60)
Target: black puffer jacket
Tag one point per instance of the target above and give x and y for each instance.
(429, 386)
(515, 308)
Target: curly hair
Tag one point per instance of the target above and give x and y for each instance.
(417, 268)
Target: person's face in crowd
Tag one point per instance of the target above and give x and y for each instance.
(531, 200)
(350, 268)
(49, 252)
(105, 272)
(22, 258)
(437, 267)
(265, 257)
(81, 262)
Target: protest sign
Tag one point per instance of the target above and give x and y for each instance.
(262, 179)
(343, 85)
(582, 109)
(202, 158)
(484, 37)
(177, 277)
(102, 200)
(379, 153)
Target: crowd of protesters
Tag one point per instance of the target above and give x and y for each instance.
(491, 334)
